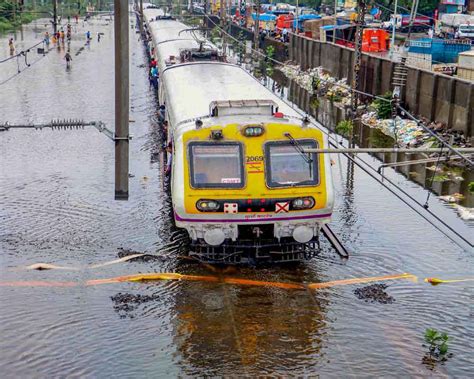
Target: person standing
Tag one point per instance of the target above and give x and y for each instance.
(98, 36)
(46, 39)
(11, 46)
(154, 77)
(169, 159)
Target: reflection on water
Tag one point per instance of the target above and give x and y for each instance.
(57, 207)
(230, 329)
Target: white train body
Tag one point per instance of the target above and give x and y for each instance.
(217, 112)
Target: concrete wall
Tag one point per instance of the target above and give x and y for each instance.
(434, 96)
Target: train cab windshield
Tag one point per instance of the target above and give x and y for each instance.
(287, 166)
(216, 165)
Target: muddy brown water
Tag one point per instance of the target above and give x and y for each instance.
(56, 206)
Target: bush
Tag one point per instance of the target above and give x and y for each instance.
(470, 187)
(382, 107)
(344, 127)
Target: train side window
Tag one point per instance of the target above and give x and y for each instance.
(216, 165)
(286, 166)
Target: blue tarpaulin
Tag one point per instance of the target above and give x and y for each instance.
(445, 51)
(265, 17)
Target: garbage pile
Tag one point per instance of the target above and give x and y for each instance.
(319, 83)
(453, 137)
(407, 133)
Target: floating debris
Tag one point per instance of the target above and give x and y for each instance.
(467, 214)
(454, 198)
(47, 266)
(126, 255)
(125, 303)
(374, 293)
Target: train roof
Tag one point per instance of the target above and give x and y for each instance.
(170, 37)
(191, 87)
(151, 13)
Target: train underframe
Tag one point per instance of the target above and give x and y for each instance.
(251, 250)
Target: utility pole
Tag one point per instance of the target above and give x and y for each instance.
(394, 28)
(141, 18)
(222, 16)
(361, 9)
(256, 27)
(297, 25)
(121, 99)
(55, 16)
(360, 21)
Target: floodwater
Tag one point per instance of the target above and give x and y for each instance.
(57, 207)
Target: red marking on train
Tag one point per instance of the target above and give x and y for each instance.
(282, 207)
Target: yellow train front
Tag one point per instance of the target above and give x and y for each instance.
(242, 185)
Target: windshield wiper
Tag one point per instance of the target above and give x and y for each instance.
(299, 149)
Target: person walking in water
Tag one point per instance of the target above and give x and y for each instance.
(68, 59)
(88, 36)
(11, 46)
(46, 39)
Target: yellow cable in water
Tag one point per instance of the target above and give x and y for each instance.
(248, 282)
(214, 279)
(362, 280)
(436, 281)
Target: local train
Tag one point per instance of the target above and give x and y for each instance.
(241, 184)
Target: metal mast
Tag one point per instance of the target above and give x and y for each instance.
(360, 21)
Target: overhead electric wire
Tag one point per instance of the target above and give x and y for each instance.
(419, 122)
(22, 52)
(406, 9)
(375, 171)
(385, 178)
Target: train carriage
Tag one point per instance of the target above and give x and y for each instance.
(241, 184)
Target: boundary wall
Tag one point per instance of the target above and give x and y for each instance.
(427, 94)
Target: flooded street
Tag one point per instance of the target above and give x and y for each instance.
(57, 206)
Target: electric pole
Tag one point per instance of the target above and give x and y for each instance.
(121, 99)
(256, 28)
(55, 16)
(141, 18)
(222, 15)
(360, 21)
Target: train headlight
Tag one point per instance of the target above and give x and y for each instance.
(207, 205)
(302, 234)
(214, 237)
(303, 203)
(253, 131)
